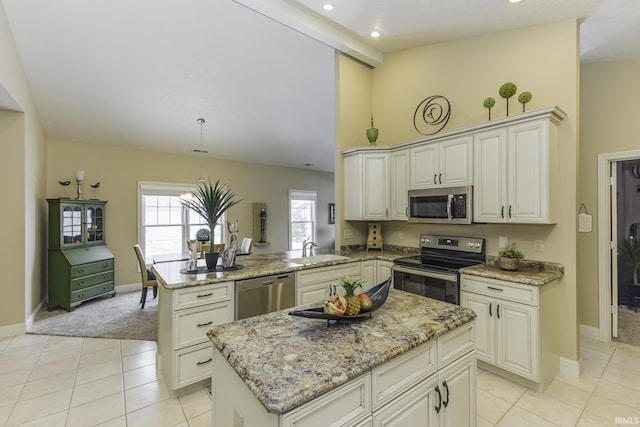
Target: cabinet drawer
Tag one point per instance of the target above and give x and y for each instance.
(202, 295)
(87, 281)
(91, 292)
(346, 405)
(193, 364)
(401, 373)
(452, 345)
(190, 326)
(500, 289)
(92, 268)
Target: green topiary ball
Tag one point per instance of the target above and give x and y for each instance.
(507, 90)
(524, 97)
(489, 102)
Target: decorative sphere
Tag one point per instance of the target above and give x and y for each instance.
(507, 90)
(202, 235)
(524, 97)
(489, 102)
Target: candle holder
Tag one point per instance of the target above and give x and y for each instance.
(79, 175)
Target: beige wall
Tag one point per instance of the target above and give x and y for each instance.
(542, 60)
(119, 170)
(22, 166)
(610, 91)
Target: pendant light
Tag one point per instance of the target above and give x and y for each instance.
(201, 150)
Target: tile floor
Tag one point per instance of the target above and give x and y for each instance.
(60, 381)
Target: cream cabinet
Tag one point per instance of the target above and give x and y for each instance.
(372, 272)
(399, 185)
(312, 284)
(509, 333)
(185, 315)
(515, 173)
(448, 163)
(367, 182)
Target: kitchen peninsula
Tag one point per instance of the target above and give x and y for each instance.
(413, 362)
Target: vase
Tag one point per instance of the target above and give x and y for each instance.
(372, 134)
(510, 264)
(211, 259)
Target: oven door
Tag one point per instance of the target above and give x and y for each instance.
(438, 285)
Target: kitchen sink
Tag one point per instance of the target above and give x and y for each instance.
(316, 259)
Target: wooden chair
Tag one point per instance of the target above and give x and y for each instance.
(205, 247)
(148, 278)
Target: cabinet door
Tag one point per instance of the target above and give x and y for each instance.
(399, 185)
(352, 187)
(375, 179)
(385, 269)
(312, 293)
(456, 166)
(71, 220)
(414, 408)
(424, 166)
(458, 387)
(484, 307)
(368, 276)
(490, 173)
(528, 173)
(94, 223)
(517, 328)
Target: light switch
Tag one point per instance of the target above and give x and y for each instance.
(348, 233)
(538, 245)
(502, 241)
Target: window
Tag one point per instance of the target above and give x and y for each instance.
(166, 225)
(302, 217)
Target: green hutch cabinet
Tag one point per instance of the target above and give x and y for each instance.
(81, 266)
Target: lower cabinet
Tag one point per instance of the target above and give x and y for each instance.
(509, 335)
(312, 284)
(185, 315)
(373, 272)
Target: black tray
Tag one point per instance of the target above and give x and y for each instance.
(378, 296)
(204, 269)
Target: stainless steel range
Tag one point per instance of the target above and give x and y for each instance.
(435, 272)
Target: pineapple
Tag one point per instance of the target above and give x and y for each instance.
(353, 302)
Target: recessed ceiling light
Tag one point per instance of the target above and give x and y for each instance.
(375, 33)
(327, 5)
(514, 1)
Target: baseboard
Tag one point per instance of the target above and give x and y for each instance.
(570, 368)
(33, 313)
(128, 288)
(590, 332)
(13, 330)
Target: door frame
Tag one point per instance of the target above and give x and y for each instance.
(604, 238)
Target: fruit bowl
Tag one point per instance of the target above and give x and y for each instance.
(378, 296)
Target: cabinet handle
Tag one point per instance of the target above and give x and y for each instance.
(509, 211)
(495, 289)
(439, 405)
(490, 305)
(498, 311)
(204, 295)
(446, 388)
(434, 178)
(502, 212)
(204, 324)
(440, 178)
(205, 362)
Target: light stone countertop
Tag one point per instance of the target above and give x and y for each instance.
(287, 360)
(255, 265)
(533, 273)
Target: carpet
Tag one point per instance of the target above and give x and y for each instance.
(117, 317)
(628, 326)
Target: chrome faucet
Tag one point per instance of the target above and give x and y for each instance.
(311, 245)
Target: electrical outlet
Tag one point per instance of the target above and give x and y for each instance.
(538, 245)
(502, 241)
(400, 235)
(238, 421)
(348, 233)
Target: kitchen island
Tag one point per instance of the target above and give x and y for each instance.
(412, 363)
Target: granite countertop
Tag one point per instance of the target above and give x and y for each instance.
(287, 360)
(256, 265)
(533, 273)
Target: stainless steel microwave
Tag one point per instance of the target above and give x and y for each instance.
(441, 205)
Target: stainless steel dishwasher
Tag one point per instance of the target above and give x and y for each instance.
(265, 294)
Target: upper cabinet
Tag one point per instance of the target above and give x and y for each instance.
(399, 184)
(76, 223)
(366, 177)
(514, 171)
(447, 163)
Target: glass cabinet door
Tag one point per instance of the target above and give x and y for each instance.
(95, 225)
(71, 229)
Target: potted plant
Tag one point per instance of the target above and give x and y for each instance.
(210, 201)
(510, 257)
(629, 250)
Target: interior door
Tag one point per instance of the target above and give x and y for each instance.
(614, 251)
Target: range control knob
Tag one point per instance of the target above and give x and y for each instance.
(478, 245)
(470, 244)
